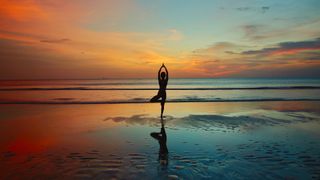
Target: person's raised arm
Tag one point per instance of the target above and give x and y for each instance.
(159, 73)
(165, 68)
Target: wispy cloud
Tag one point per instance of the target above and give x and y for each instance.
(254, 31)
(261, 9)
(64, 40)
(287, 48)
(217, 48)
(175, 35)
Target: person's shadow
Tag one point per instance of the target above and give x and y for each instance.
(162, 139)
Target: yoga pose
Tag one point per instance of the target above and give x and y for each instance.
(163, 78)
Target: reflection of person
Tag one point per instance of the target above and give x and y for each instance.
(163, 78)
(162, 139)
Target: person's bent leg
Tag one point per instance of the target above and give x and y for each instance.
(155, 135)
(155, 98)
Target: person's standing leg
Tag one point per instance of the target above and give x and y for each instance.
(163, 101)
(162, 108)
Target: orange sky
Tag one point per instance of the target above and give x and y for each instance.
(52, 39)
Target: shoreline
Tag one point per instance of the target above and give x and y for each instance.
(172, 89)
(147, 102)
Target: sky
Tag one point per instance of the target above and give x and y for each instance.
(78, 39)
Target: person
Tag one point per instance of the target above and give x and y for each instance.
(162, 139)
(163, 78)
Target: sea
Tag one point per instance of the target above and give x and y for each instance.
(217, 128)
(114, 91)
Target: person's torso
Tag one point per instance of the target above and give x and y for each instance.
(163, 84)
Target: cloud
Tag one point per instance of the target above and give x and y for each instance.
(284, 71)
(175, 35)
(253, 31)
(256, 32)
(55, 40)
(243, 8)
(68, 45)
(261, 9)
(216, 48)
(284, 29)
(265, 8)
(22, 61)
(230, 52)
(285, 59)
(287, 48)
(21, 10)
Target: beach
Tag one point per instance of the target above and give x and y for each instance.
(108, 129)
(205, 140)
(140, 89)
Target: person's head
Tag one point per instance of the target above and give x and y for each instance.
(163, 75)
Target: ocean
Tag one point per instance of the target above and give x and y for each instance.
(113, 91)
(107, 129)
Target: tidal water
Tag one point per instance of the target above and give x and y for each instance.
(141, 90)
(212, 129)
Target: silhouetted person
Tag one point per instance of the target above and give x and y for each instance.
(162, 139)
(163, 78)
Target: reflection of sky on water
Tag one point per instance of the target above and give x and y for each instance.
(95, 96)
(174, 83)
(205, 140)
(266, 151)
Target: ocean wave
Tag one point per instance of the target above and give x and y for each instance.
(139, 89)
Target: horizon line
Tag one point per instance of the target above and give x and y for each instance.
(66, 79)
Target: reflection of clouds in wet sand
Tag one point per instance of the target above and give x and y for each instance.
(244, 120)
(283, 150)
(140, 119)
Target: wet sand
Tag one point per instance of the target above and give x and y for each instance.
(265, 140)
